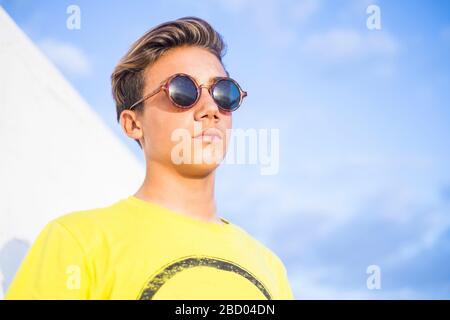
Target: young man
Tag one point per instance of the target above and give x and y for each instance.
(166, 241)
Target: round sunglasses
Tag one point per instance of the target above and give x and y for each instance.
(184, 92)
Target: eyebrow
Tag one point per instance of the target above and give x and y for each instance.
(209, 81)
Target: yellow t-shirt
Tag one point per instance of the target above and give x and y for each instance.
(135, 249)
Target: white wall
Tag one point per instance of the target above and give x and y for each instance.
(56, 154)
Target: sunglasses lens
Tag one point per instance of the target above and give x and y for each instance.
(227, 95)
(182, 91)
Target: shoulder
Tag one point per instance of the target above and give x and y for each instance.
(269, 255)
(88, 217)
(89, 226)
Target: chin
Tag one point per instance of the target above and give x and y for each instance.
(196, 170)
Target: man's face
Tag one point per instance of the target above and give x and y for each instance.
(161, 118)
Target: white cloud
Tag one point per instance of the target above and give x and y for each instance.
(300, 10)
(276, 22)
(354, 9)
(235, 6)
(304, 9)
(346, 44)
(435, 224)
(384, 70)
(68, 57)
(268, 19)
(312, 284)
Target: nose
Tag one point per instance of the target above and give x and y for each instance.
(206, 106)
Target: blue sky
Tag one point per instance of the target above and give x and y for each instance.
(364, 120)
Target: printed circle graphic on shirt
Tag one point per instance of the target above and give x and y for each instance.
(190, 275)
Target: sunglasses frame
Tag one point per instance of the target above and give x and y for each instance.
(165, 87)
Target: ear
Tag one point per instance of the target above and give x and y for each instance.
(131, 125)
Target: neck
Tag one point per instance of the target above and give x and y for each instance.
(193, 196)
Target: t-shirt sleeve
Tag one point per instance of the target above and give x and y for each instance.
(55, 267)
(286, 290)
(284, 287)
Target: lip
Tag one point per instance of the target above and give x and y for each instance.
(211, 133)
